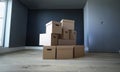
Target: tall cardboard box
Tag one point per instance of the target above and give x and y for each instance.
(49, 52)
(78, 51)
(48, 39)
(54, 27)
(64, 52)
(72, 35)
(69, 24)
(66, 42)
(65, 34)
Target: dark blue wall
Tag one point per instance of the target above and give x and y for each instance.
(18, 24)
(38, 18)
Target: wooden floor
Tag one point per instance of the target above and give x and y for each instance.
(31, 61)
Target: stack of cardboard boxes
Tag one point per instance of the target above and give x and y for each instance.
(60, 41)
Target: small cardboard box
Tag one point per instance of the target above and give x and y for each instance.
(66, 42)
(64, 52)
(49, 52)
(54, 27)
(69, 24)
(78, 51)
(48, 39)
(65, 34)
(72, 35)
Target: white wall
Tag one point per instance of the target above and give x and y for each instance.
(86, 25)
(102, 25)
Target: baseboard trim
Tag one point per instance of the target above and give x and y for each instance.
(8, 50)
(34, 47)
(13, 49)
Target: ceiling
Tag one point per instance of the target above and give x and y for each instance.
(54, 4)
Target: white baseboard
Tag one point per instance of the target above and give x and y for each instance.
(7, 50)
(34, 47)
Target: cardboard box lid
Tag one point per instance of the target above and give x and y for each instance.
(67, 20)
(49, 47)
(73, 31)
(53, 22)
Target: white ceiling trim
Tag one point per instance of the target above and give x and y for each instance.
(54, 4)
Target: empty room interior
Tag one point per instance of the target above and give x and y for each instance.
(59, 35)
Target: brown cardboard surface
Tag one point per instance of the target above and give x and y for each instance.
(78, 51)
(54, 39)
(66, 42)
(72, 35)
(65, 34)
(49, 52)
(67, 20)
(64, 52)
(69, 24)
(54, 27)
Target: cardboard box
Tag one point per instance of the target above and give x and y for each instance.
(48, 39)
(78, 51)
(72, 35)
(49, 52)
(66, 42)
(64, 52)
(54, 27)
(65, 34)
(69, 24)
